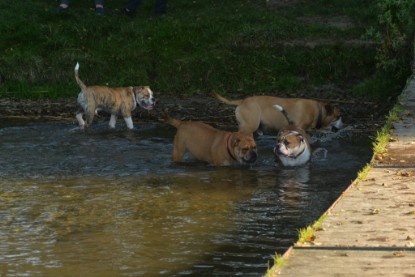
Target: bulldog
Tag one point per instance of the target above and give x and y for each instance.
(211, 145)
(293, 144)
(306, 114)
(120, 100)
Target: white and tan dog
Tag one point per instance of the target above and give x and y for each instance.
(306, 114)
(120, 100)
(211, 145)
(293, 144)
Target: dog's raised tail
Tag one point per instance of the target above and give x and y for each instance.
(284, 112)
(79, 81)
(172, 121)
(226, 101)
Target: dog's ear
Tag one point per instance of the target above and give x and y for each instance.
(138, 89)
(329, 108)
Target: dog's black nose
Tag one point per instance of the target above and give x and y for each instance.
(252, 157)
(334, 129)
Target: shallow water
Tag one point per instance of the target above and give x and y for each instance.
(111, 202)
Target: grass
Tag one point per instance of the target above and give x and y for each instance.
(383, 136)
(242, 46)
(305, 235)
(381, 140)
(361, 175)
(278, 262)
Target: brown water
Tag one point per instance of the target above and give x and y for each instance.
(111, 203)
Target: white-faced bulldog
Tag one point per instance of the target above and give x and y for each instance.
(293, 144)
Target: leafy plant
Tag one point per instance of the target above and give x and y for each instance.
(395, 36)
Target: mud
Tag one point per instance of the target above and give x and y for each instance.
(359, 112)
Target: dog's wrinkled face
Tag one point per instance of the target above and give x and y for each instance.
(292, 149)
(290, 144)
(144, 97)
(333, 118)
(244, 148)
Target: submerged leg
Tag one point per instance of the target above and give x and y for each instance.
(178, 150)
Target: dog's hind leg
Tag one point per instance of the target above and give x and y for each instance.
(89, 117)
(79, 117)
(129, 122)
(90, 113)
(178, 150)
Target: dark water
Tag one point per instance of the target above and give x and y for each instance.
(111, 202)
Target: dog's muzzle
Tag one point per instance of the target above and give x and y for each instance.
(148, 105)
(251, 157)
(337, 125)
(278, 152)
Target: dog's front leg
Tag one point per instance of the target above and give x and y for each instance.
(129, 122)
(179, 148)
(113, 120)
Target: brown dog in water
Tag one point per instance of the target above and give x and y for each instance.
(305, 113)
(211, 145)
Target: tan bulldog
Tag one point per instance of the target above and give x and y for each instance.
(293, 144)
(121, 100)
(211, 145)
(306, 114)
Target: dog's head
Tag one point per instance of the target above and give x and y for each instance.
(292, 148)
(243, 148)
(144, 97)
(332, 118)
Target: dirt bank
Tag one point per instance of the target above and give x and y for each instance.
(357, 111)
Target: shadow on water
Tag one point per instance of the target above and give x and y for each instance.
(111, 202)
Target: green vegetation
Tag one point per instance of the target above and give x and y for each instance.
(278, 262)
(380, 141)
(383, 136)
(395, 37)
(307, 234)
(242, 46)
(362, 174)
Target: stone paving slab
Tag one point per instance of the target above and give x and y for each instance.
(349, 262)
(377, 212)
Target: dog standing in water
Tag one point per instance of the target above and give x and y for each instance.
(120, 100)
(255, 111)
(293, 144)
(211, 145)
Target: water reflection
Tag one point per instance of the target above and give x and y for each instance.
(111, 203)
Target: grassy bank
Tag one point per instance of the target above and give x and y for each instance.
(244, 46)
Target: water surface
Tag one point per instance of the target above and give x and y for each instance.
(111, 202)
